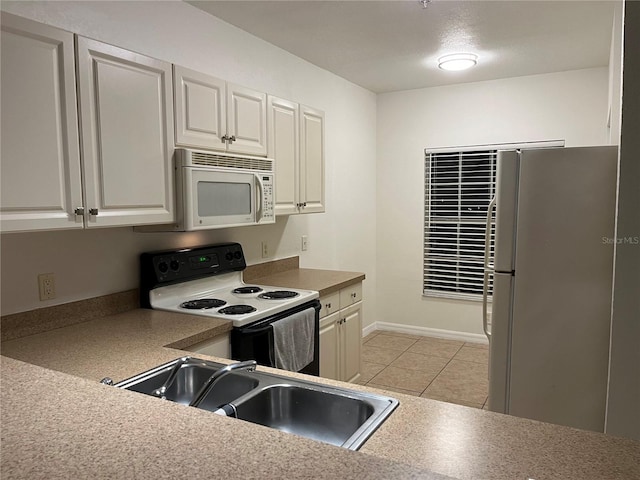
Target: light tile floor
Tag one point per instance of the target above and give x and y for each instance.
(447, 370)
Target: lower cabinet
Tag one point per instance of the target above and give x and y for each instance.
(219, 346)
(341, 334)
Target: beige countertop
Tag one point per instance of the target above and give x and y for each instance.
(116, 346)
(54, 424)
(324, 281)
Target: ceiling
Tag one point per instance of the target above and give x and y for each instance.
(393, 45)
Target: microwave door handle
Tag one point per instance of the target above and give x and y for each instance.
(259, 194)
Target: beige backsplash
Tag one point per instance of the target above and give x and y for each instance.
(41, 320)
(253, 272)
(22, 324)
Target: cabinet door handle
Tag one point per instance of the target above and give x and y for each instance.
(327, 305)
(354, 295)
(93, 211)
(79, 211)
(232, 139)
(225, 138)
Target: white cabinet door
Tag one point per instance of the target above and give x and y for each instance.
(329, 359)
(201, 116)
(311, 160)
(246, 120)
(41, 181)
(351, 339)
(282, 126)
(126, 119)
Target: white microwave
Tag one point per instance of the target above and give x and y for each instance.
(218, 190)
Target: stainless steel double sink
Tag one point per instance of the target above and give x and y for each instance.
(334, 415)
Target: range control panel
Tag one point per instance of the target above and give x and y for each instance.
(172, 266)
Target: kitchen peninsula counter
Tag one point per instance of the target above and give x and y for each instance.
(56, 426)
(66, 424)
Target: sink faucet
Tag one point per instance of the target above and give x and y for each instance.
(249, 366)
(160, 392)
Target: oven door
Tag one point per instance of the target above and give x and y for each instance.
(255, 341)
(215, 199)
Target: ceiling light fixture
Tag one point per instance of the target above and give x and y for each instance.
(425, 3)
(457, 61)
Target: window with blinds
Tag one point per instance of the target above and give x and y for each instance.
(459, 186)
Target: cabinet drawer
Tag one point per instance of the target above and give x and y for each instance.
(330, 304)
(350, 295)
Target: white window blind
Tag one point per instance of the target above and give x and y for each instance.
(459, 186)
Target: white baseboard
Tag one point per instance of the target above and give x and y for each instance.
(368, 329)
(425, 331)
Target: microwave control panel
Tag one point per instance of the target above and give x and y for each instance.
(268, 194)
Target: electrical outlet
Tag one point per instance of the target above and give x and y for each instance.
(265, 249)
(305, 243)
(47, 286)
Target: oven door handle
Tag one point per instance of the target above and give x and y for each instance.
(265, 324)
(261, 327)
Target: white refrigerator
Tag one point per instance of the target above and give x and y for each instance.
(552, 277)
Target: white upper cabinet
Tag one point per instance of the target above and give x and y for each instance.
(201, 115)
(41, 184)
(283, 123)
(246, 120)
(214, 114)
(126, 124)
(311, 159)
(296, 143)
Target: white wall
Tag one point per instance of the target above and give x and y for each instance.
(92, 263)
(568, 105)
(615, 75)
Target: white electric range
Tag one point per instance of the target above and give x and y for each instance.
(207, 281)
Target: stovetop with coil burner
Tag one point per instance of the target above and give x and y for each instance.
(207, 281)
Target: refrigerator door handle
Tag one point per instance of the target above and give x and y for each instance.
(487, 235)
(488, 269)
(485, 295)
